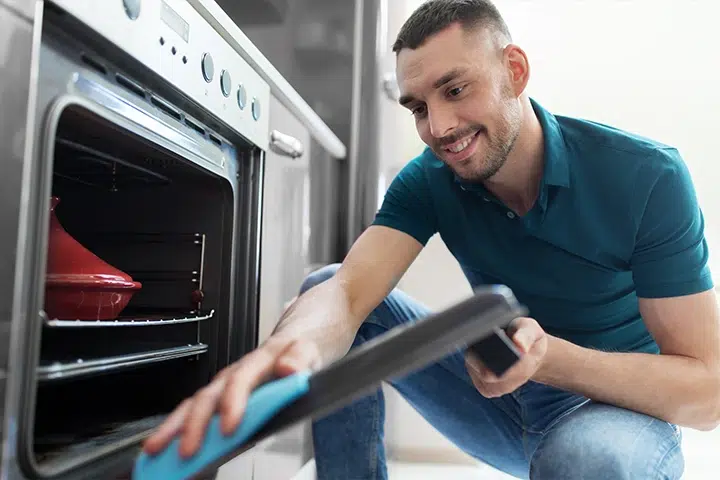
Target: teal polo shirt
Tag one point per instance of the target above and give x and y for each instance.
(617, 218)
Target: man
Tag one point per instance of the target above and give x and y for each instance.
(596, 230)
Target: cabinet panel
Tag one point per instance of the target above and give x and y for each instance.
(239, 468)
(283, 264)
(286, 221)
(270, 465)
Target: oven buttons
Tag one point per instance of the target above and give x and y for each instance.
(208, 67)
(241, 96)
(225, 83)
(132, 8)
(256, 109)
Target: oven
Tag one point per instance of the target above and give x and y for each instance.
(139, 227)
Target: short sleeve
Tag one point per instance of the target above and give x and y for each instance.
(671, 254)
(407, 205)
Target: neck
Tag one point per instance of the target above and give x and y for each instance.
(517, 183)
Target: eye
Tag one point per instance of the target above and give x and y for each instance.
(418, 111)
(454, 92)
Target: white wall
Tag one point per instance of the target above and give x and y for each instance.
(649, 66)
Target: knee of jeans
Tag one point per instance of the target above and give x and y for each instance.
(319, 276)
(566, 457)
(596, 454)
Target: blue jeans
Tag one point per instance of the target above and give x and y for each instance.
(536, 432)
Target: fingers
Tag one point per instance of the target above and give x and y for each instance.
(172, 426)
(530, 338)
(229, 391)
(202, 408)
(484, 380)
(278, 360)
(526, 333)
(191, 418)
(256, 368)
(478, 370)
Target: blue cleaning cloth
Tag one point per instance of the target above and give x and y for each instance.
(263, 403)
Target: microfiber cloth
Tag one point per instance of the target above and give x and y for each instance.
(262, 405)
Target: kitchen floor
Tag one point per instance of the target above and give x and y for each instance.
(424, 471)
(701, 452)
(702, 463)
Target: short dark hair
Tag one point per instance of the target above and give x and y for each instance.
(434, 16)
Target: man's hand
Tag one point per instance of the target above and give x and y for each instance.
(531, 339)
(229, 391)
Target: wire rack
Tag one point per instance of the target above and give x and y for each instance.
(91, 167)
(82, 367)
(128, 321)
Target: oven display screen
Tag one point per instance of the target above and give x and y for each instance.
(175, 21)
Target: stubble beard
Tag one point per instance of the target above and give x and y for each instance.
(484, 164)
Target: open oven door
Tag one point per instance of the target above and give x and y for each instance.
(284, 402)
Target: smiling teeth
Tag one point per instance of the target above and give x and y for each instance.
(459, 148)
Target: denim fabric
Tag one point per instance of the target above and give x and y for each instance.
(536, 432)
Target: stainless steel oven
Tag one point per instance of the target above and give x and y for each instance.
(150, 133)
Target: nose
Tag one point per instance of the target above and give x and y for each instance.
(441, 121)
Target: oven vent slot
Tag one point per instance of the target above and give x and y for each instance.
(165, 107)
(216, 140)
(195, 126)
(130, 85)
(94, 64)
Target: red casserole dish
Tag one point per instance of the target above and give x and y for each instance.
(79, 285)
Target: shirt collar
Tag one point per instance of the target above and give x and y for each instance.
(557, 162)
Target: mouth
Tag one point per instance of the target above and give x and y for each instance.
(463, 148)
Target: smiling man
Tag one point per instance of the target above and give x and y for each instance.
(598, 231)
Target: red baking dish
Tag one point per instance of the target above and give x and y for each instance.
(79, 285)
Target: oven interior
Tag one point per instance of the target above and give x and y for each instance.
(102, 385)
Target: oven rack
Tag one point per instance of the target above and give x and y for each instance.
(56, 450)
(92, 167)
(81, 367)
(129, 322)
(69, 451)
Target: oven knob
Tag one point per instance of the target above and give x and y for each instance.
(241, 96)
(256, 109)
(132, 8)
(225, 83)
(208, 67)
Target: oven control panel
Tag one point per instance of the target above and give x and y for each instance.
(171, 38)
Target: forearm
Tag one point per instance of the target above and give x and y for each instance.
(322, 315)
(678, 389)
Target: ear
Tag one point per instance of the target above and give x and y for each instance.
(518, 67)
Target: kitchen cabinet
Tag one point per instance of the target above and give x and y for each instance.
(239, 468)
(286, 220)
(283, 265)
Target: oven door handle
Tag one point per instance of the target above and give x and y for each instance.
(286, 145)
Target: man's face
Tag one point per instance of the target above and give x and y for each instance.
(460, 92)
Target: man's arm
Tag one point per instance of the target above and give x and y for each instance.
(681, 385)
(330, 314)
(677, 303)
